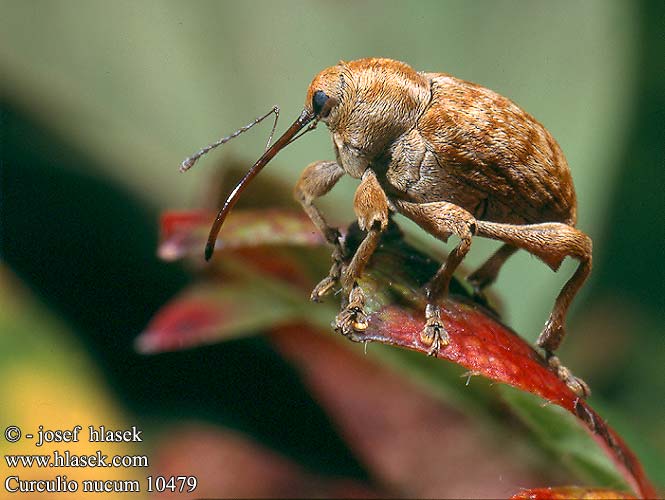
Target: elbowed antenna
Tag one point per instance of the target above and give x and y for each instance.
(189, 162)
(286, 138)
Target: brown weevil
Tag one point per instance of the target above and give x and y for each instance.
(454, 157)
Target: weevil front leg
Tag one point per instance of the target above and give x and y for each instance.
(316, 180)
(440, 219)
(371, 206)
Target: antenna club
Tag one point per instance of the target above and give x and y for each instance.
(187, 164)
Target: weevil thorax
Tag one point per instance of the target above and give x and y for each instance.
(376, 101)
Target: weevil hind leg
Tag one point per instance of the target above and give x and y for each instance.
(554, 331)
(487, 273)
(575, 384)
(551, 242)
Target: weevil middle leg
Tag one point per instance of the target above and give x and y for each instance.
(440, 219)
(552, 242)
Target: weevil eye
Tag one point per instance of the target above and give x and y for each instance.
(319, 100)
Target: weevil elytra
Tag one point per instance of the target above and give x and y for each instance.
(454, 157)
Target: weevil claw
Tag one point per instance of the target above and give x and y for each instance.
(323, 288)
(353, 319)
(575, 384)
(434, 333)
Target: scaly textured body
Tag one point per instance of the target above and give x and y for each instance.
(454, 157)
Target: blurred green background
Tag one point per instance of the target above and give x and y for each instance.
(99, 102)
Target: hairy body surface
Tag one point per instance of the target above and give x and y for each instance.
(454, 157)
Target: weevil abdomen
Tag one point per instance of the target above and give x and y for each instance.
(479, 150)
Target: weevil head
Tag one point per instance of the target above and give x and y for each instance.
(368, 103)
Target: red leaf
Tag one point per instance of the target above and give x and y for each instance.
(185, 233)
(209, 313)
(488, 348)
(412, 441)
(228, 463)
(393, 283)
(567, 492)
(478, 341)
(180, 324)
(280, 264)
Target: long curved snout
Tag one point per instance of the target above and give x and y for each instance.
(287, 137)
